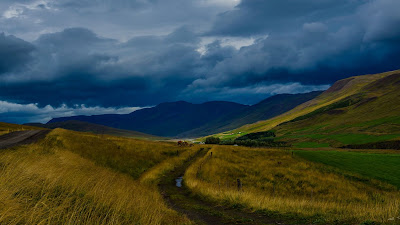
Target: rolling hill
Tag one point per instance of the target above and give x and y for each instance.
(82, 126)
(356, 110)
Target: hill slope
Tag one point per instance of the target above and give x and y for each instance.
(355, 110)
(166, 119)
(82, 126)
(266, 109)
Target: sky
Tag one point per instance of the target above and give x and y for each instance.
(85, 57)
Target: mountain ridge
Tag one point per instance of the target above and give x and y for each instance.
(184, 119)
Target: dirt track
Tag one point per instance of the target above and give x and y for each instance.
(21, 138)
(202, 211)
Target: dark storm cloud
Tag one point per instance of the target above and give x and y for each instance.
(253, 17)
(14, 53)
(143, 52)
(312, 42)
(77, 66)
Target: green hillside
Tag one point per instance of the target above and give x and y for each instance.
(356, 110)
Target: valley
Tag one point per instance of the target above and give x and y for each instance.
(304, 166)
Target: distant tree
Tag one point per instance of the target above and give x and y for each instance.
(212, 140)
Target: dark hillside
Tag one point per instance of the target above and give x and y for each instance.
(266, 109)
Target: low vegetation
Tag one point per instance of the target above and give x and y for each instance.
(212, 140)
(75, 178)
(277, 181)
(130, 156)
(83, 178)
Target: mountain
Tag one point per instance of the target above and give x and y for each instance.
(166, 119)
(354, 111)
(266, 109)
(94, 128)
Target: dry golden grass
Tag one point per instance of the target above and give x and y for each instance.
(45, 183)
(154, 174)
(130, 156)
(274, 180)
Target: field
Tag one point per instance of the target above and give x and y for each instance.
(384, 167)
(277, 182)
(77, 178)
(82, 178)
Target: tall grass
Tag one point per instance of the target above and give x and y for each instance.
(153, 175)
(273, 180)
(130, 156)
(46, 183)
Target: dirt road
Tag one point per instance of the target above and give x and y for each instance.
(203, 211)
(21, 138)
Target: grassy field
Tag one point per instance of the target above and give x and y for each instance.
(277, 182)
(76, 178)
(384, 167)
(130, 156)
(81, 178)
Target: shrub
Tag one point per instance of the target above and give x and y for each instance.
(212, 140)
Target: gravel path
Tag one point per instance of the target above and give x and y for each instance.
(21, 138)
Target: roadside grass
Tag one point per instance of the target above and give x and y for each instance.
(384, 167)
(57, 181)
(276, 182)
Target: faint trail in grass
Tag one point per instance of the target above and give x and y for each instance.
(201, 211)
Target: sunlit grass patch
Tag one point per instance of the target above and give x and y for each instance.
(274, 180)
(60, 187)
(131, 156)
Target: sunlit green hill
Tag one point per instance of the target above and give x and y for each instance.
(356, 110)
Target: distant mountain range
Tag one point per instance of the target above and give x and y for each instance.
(266, 109)
(184, 119)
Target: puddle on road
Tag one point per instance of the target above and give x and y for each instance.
(179, 181)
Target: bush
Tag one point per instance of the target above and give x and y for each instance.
(212, 140)
(227, 142)
(265, 135)
(256, 143)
